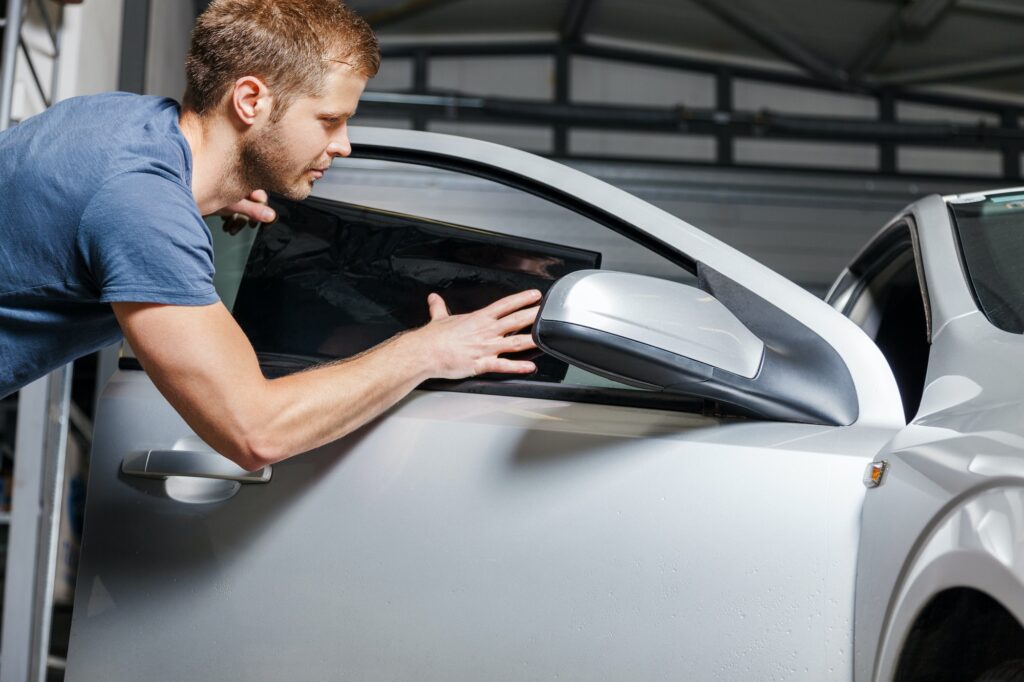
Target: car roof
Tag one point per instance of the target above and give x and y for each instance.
(970, 197)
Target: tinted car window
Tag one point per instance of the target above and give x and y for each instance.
(330, 280)
(991, 233)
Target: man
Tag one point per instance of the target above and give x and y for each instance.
(101, 233)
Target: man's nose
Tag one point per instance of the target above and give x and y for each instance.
(340, 146)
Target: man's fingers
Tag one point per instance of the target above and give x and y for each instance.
(506, 366)
(504, 306)
(259, 195)
(254, 211)
(514, 344)
(517, 320)
(438, 308)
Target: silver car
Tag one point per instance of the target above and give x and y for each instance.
(710, 476)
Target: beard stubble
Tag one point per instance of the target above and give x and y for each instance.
(263, 164)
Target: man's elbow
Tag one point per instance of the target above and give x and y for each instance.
(255, 452)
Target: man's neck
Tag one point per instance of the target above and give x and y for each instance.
(214, 147)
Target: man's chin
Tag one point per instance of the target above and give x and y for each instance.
(299, 191)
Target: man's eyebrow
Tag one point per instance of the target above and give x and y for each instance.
(336, 114)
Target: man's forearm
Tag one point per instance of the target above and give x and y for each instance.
(219, 390)
(305, 410)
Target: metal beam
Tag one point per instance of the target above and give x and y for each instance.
(400, 12)
(876, 49)
(920, 17)
(996, 8)
(574, 20)
(916, 19)
(698, 121)
(470, 49)
(50, 30)
(9, 59)
(774, 39)
(952, 72)
(682, 63)
(35, 74)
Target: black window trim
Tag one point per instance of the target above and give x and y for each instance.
(888, 245)
(525, 184)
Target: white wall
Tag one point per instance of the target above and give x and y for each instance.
(90, 44)
(91, 50)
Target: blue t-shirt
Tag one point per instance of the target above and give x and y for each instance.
(95, 207)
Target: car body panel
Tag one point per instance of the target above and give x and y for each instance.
(481, 536)
(469, 537)
(965, 440)
(948, 513)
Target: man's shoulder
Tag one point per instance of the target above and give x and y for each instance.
(114, 125)
(118, 133)
(120, 104)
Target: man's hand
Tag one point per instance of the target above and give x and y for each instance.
(250, 211)
(460, 346)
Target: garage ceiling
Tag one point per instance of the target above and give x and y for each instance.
(858, 45)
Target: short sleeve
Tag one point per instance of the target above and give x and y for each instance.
(142, 240)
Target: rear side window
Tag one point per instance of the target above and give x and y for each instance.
(991, 233)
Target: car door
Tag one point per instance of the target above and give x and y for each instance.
(561, 526)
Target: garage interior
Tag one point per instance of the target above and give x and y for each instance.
(792, 130)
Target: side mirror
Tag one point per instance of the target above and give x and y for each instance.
(660, 335)
(645, 332)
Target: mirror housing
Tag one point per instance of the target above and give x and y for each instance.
(643, 331)
(661, 335)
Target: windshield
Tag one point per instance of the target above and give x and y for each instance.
(991, 232)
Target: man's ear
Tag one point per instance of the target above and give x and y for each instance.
(251, 100)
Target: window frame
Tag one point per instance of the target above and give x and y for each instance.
(512, 386)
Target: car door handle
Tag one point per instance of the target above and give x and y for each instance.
(193, 463)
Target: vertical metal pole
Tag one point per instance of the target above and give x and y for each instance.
(563, 91)
(723, 104)
(887, 150)
(134, 46)
(39, 456)
(9, 59)
(1011, 151)
(420, 85)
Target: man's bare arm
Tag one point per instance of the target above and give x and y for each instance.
(204, 365)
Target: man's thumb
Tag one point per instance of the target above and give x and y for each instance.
(438, 309)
